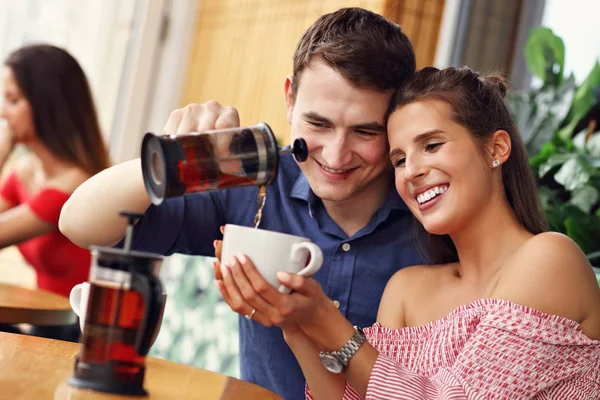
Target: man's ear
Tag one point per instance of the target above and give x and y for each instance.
(499, 146)
(289, 97)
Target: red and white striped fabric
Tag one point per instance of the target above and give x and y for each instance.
(489, 349)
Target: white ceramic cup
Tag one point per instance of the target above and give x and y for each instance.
(272, 252)
(79, 299)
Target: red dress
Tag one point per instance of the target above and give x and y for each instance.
(489, 349)
(58, 262)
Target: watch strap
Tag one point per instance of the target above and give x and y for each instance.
(351, 347)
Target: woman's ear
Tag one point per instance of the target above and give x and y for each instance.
(499, 147)
(289, 97)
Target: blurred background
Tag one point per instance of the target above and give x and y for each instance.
(145, 58)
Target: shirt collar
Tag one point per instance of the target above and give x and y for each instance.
(301, 190)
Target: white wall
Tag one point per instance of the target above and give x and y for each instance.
(95, 32)
(576, 22)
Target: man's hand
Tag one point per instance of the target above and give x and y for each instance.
(201, 118)
(244, 289)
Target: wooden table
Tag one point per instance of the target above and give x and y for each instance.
(38, 368)
(19, 305)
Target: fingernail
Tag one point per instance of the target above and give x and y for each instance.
(284, 276)
(222, 229)
(224, 270)
(241, 258)
(233, 261)
(215, 244)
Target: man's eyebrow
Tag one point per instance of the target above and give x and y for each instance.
(367, 126)
(313, 116)
(370, 126)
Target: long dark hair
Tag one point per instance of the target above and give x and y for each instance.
(61, 101)
(477, 103)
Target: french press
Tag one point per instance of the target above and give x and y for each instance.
(219, 159)
(123, 316)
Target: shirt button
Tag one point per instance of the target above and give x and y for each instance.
(346, 246)
(336, 304)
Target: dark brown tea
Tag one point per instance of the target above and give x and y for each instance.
(202, 170)
(213, 160)
(113, 319)
(261, 199)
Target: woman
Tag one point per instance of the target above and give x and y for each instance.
(507, 310)
(49, 109)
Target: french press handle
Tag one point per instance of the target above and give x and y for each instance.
(151, 290)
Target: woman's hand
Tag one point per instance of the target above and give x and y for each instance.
(245, 290)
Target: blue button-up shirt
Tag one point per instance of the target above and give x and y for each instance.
(355, 269)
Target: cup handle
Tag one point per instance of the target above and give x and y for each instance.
(75, 298)
(316, 257)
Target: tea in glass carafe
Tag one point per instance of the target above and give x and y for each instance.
(123, 315)
(219, 159)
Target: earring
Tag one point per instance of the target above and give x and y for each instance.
(495, 163)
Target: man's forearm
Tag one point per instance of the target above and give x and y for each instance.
(91, 215)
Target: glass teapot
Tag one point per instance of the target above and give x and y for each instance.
(123, 316)
(212, 160)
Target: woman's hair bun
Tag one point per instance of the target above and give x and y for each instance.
(497, 82)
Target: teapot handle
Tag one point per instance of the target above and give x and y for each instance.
(151, 290)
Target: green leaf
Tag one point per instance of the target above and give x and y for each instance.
(574, 173)
(548, 149)
(545, 51)
(585, 198)
(592, 146)
(539, 113)
(553, 161)
(582, 101)
(583, 231)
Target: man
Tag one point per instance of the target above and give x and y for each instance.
(345, 68)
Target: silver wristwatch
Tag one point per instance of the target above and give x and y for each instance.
(336, 361)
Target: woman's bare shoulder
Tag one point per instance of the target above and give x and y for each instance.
(408, 285)
(68, 180)
(552, 274)
(25, 167)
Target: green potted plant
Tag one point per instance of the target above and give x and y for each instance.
(559, 122)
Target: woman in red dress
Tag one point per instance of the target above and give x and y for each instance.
(49, 109)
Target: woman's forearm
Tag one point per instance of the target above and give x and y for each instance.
(330, 334)
(323, 384)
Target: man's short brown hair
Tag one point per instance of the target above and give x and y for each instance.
(366, 48)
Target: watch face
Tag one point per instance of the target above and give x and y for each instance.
(331, 363)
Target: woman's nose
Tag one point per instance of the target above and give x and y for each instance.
(414, 169)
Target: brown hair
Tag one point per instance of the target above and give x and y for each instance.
(477, 104)
(367, 49)
(61, 101)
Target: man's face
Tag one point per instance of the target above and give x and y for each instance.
(344, 129)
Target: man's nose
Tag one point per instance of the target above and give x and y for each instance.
(337, 152)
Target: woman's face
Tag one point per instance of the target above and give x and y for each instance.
(16, 109)
(441, 173)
